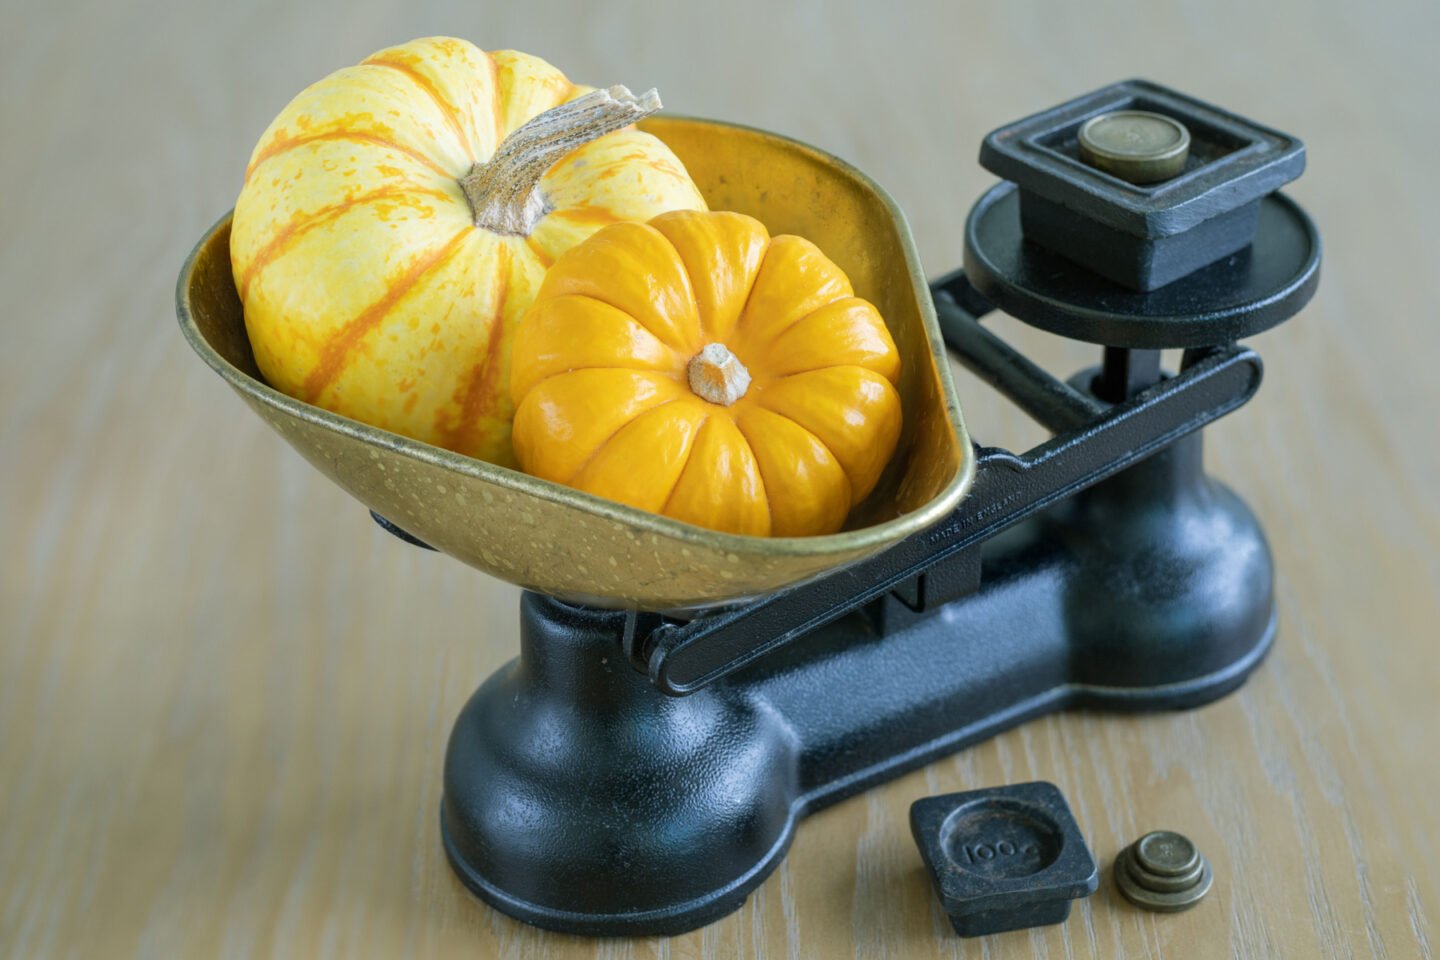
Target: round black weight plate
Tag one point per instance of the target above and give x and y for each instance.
(1239, 296)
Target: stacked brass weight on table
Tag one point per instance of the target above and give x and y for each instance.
(1163, 871)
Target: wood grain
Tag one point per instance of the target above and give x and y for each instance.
(224, 694)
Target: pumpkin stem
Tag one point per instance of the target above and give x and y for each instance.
(717, 375)
(504, 192)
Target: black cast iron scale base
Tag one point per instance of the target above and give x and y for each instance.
(632, 775)
(579, 797)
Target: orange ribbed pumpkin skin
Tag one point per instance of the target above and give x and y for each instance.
(367, 288)
(604, 403)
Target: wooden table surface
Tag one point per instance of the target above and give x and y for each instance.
(225, 694)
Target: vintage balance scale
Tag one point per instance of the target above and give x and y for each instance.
(682, 697)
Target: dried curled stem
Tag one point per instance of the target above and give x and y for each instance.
(504, 191)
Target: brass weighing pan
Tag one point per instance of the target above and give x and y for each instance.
(581, 548)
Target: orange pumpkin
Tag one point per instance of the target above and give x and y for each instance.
(398, 216)
(697, 367)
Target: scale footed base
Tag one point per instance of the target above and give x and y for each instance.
(580, 798)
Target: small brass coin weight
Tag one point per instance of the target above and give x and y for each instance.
(1135, 145)
(1163, 871)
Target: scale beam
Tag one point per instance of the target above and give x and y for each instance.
(680, 658)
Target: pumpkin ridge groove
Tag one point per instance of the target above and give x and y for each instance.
(734, 332)
(337, 349)
(760, 476)
(836, 366)
(609, 365)
(304, 223)
(684, 272)
(480, 381)
(613, 434)
(497, 112)
(446, 108)
(849, 484)
(689, 459)
(677, 356)
(684, 350)
(770, 339)
(681, 351)
(582, 214)
(630, 317)
(285, 146)
(544, 258)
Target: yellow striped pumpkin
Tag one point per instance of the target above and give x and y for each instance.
(394, 227)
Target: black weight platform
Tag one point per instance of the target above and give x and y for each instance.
(1242, 295)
